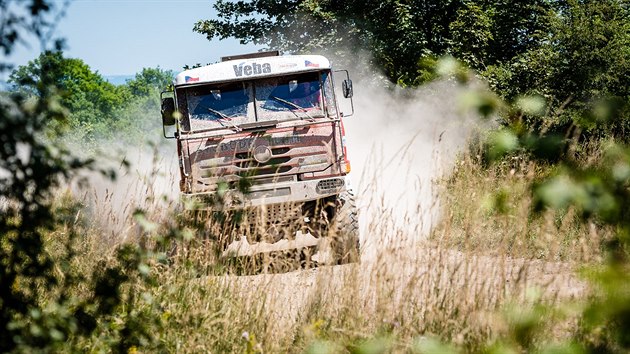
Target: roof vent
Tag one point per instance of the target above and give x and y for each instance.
(273, 53)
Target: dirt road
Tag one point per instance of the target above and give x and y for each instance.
(416, 282)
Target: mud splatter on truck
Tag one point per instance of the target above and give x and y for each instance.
(261, 137)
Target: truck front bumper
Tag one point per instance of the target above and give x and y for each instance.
(289, 192)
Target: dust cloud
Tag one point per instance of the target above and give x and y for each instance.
(400, 142)
(146, 180)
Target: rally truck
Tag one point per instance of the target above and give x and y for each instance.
(260, 138)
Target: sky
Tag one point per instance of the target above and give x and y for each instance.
(120, 37)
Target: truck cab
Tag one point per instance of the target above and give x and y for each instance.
(262, 134)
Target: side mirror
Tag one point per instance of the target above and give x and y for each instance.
(346, 88)
(168, 110)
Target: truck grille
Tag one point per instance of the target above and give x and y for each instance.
(229, 160)
(231, 169)
(273, 214)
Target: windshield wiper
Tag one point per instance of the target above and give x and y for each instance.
(293, 105)
(223, 116)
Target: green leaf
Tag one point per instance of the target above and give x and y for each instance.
(322, 347)
(532, 105)
(621, 171)
(373, 346)
(502, 142)
(558, 192)
(429, 345)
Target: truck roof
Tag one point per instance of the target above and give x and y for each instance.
(240, 69)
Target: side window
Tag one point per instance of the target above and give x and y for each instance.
(329, 94)
(182, 107)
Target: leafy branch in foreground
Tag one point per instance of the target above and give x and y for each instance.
(599, 190)
(41, 307)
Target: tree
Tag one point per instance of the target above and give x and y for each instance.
(150, 81)
(573, 53)
(399, 33)
(583, 63)
(84, 92)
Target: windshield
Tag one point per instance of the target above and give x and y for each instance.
(209, 106)
(287, 98)
(281, 98)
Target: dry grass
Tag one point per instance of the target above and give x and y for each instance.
(489, 210)
(452, 285)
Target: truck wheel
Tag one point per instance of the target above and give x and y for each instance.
(345, 239)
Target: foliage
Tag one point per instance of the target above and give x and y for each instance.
(40, 305)
(150, 81)
(97, 109)
(31, 168)
(398, 33)
(82, 90)
(573, 53)
(599, 191)
(580, 63)
(36, 17)
(558, 69)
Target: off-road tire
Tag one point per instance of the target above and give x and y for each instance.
(345, 230)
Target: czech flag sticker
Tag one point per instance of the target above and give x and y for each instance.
(310, 64)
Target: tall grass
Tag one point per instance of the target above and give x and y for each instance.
(453, 285)
(490, 210)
